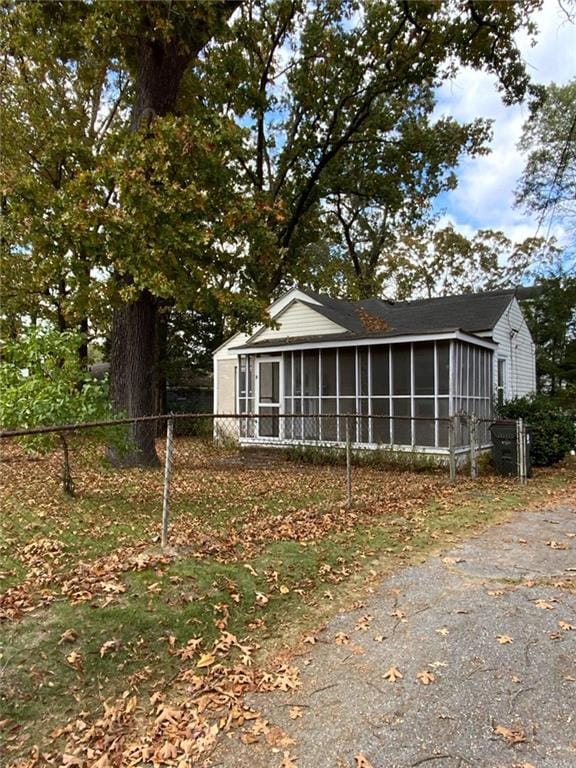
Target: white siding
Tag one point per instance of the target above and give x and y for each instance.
(515, 345)
(299, 320)
(225, 386)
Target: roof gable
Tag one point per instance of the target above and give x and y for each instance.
(298, 318)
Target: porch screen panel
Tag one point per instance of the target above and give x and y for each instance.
(328, 360)
(443, 363)
(424, 431)
(347, 371)
(328, 422)
(380, 362)
(424, 369)
(442, 390)
(347, 406)
(423, 404)
(328, 391)
(401, 369)
(473, 395)
(401, 427)
(380, 420)
(246, 404)
(288, 407)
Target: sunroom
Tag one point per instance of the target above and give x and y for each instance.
(398, 392)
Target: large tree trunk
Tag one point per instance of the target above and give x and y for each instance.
(133, 363)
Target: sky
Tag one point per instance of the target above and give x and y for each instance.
(484, 198)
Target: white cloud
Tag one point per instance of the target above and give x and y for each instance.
(485, 194)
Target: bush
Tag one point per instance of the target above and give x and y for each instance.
(43, 384)
(552, 428)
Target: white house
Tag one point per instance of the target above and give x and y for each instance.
(400, 368)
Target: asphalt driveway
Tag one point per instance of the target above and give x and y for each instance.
(468, 660)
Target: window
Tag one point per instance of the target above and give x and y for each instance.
(501, 386)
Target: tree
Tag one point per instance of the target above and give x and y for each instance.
(436, 262)
(60, 102)
(548, 184)
(551, 316)
(42, 383)
(337, 99)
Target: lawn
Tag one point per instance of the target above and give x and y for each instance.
(116, 652)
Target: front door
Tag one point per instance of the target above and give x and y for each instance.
(268, 398)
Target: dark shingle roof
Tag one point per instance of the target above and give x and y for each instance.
(471, 313)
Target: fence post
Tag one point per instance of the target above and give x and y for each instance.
(521, 450)
(452, 448)
(348, 465)
(472, 431)
(167, 478)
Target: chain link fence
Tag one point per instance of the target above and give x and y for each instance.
(203, 461)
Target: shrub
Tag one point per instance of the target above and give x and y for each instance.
(552, 428)
(43, 384)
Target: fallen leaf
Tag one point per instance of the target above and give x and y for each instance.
(108, 647)
(261, 598)
(206, 660)
(363, 623)
(544, 604)
(295, 713)
(249, 738)
(362, 761)
(504, 639)
(426, 677)
(557, 545)
(393, 674)
(341, 639)
(495, 592)
(68, 636)
(442, 631)
(284, 589)
(566, 626)
(102, 762)
(514, 735)
(452, 560)
(287, 761)
(74, 659)
(276, 737)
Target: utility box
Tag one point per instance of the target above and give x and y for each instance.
(505, 448)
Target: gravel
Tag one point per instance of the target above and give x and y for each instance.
(489, 619)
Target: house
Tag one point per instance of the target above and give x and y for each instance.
(391, 373)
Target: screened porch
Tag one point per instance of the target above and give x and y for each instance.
(394, 394)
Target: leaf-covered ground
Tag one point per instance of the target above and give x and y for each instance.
(118, 653)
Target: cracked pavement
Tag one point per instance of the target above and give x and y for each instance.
(493, 624)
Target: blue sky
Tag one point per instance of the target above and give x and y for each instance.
(484, 198)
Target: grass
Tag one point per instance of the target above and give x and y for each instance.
(267, 553)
